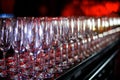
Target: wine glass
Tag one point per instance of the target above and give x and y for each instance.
(47, 47)
(25, 47)
(91, 34)
(36, 45)
(57, 27)
(72, 39)
(84, 46)
(104, 31)
(79, 38)
(96, 35)
(1, 47)
(65, 45)
(29, 44)
(6, 38)
(17, 45)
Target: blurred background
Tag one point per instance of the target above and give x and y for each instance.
(60, 7)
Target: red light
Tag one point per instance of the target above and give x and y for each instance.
(102, 9)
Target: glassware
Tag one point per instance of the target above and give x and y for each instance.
(72, 39)
(45, 47)
(65, 43)
(55, 32)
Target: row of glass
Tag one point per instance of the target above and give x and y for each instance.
(45, 47)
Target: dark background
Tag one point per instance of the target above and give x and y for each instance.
(57, 8)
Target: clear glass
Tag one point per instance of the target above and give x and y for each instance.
(45, 47)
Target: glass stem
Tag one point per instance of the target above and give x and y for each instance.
(5, 66)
